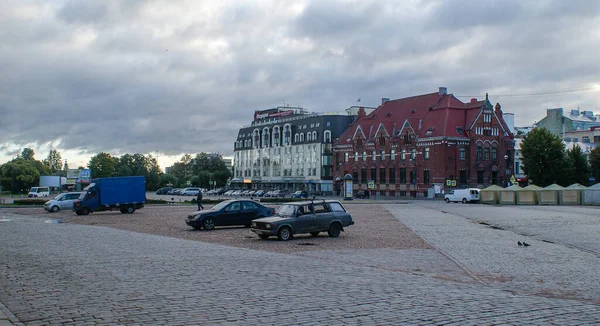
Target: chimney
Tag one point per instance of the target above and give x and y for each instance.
(384, 99)
(443, 91)
(498, 108)
(361, 112)
(474, 100)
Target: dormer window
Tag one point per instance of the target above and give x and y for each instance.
(487, 117)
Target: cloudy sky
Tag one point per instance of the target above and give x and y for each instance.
(178, 76)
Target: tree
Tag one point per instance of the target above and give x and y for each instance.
(53, 161)
(595, 163)
(102, 165)
(544, 158)
(28, 154)
(578, 168)
(19, 175)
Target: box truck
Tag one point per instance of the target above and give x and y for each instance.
(106, 194)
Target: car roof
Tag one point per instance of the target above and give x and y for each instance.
(316, 201)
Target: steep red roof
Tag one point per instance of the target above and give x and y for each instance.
(430, 115)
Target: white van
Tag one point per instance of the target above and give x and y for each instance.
(462, 195)
(39, 192)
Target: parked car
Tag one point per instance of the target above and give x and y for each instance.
(63, 201)
(174, 191)
(229, 212)
(278, 193)
(228, 192)
(362, 194)
(163, 190)
(300, 194)
(270, 193)
(462, 195)
(304, 217)
(190, 192)
(259, 193)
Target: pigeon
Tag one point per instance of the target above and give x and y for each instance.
(526, 244)
(519, 243)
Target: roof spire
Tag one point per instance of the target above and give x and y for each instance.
(486, 96)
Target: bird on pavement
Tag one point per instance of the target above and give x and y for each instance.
(519, 243)
(526, 244)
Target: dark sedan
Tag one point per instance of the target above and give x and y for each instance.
(304, 217)
(229, 212)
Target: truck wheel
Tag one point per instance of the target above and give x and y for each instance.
(464, 201)
(85, 211)
(130, 209)
(447, 200)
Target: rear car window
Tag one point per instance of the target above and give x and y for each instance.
(336, 207)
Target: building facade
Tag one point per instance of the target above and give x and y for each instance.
(426, 144)
(288, 148)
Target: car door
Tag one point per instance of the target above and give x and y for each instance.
(323, 216)
(67, 201)
(230, 215)
(249, 212)
(305, 219)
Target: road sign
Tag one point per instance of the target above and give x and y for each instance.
(512, 179)
(453, 183)
(371, 185)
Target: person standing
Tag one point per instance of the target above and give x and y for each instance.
(199, 200)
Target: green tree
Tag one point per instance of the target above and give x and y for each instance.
(578, 168)
(28, 154)
(53, 161)
(19, 175)
(102, 165)
(544, 158)
(595, 163)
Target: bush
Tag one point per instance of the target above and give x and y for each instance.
(33, 201)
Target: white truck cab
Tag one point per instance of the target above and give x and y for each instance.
(462, 195)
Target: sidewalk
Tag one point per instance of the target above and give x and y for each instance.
(5, 320)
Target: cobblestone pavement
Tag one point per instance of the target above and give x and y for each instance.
(562, 261)
(56, 273)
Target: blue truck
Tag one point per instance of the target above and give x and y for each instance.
(106, 194)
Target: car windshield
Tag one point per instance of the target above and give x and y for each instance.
(59, 196)
(287, 210)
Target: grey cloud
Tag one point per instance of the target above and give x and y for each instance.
(123, 92)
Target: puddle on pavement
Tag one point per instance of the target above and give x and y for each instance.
(306, 244)
(54, 221)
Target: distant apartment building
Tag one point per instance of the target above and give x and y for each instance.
(288, 148)
(557, 122)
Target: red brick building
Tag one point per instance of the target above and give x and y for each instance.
(407, 146)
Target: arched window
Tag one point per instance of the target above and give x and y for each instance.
(296, 137)
(276, 136)
(314, 135)
(256, 138)
(301, 137)
(287, 134)
(308, 138)
(327, 136)
(266, 138)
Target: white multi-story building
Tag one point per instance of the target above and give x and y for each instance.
(288, 148)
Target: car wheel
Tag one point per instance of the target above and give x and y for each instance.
(464, 201)
(130, 209)
(334, 230)
(55, 209)
(314, 234)
(209, 223)
(123, 210)
(447, 200)
(284, 234)
(263, 236)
